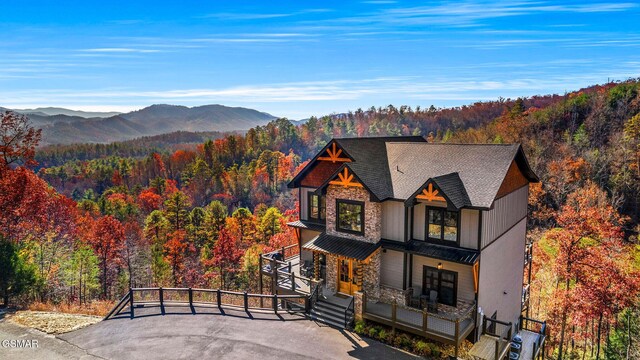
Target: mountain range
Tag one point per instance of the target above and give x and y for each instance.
(63, 126)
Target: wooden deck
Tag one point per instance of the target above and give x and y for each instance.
(485, 349)
(528, 339)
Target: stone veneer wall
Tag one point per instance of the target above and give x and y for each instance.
(332, 273)
(371, 276)
(372, 212)
(389, 295)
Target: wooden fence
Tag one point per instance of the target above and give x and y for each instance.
(207, 297)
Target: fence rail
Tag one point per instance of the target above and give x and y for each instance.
(198, 297)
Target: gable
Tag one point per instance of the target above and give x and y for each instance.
(320, 172)
(512, 181)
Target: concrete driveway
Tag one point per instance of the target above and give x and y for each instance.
(209, 334)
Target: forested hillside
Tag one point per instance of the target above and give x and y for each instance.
(91, 220)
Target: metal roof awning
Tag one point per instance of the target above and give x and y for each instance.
(309, 225)
(336, 245)
(447, 253)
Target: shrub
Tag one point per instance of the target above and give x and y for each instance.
(373, 332)
(382, 335)
(360, 327)
(422, 348)
(436, 351)
(403, 340)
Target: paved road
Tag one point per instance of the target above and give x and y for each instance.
(208, 334)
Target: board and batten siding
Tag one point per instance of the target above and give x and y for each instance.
(507, 211)
(391, 269)
(304, 202)
(307, 235)
(419, 218)
(465, 275)
(501, 274)
(393, 220)
(469, 228)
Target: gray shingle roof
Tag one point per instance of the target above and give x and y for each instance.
(481, 168)
(350, 248)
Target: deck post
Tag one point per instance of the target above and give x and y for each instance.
(289, 265)
(457, 339)
(484, 324)
(246, 302)
(282, 251)
(275, 303)
(260, 279)
(364, 302)
(219, 299)
(131, 301)
(425, 319)
(292, 276)
(394, 308)
(161, 295)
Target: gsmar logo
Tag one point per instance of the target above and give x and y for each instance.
(19, 343)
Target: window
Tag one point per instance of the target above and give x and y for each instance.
(442, 225)
(350, 216)
(317, 207)
(444, 282)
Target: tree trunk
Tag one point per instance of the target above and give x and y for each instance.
(104, 278)
(599, 337)
(629, 332)
(564, 323)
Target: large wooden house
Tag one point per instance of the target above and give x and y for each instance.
(428, 238)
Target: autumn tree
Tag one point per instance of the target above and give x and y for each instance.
(226, 255)
(18, 141)
(174, 250)
(107, 241)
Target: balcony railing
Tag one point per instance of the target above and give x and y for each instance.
(283, 266)
(445, 328)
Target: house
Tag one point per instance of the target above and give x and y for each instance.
(427, 238)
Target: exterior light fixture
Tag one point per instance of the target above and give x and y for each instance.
(439, 266)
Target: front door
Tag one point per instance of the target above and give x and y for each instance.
(345, 276)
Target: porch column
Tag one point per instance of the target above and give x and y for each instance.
(316, 265)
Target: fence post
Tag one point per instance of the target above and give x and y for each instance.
(260, 269)
(191, 297)
(457, 331)
(246, 302)
(307, 303)
(275, 303)
(425, 319)
(394, 306)
(292, 276)
(484, 324)
(161, 295)
(219, 299)
(131, 301)
(282, 253)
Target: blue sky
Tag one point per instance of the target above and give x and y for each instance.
(303, 58)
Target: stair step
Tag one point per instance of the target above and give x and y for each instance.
(327, 314)
(328, 321)
(329, 310)
(327, 304)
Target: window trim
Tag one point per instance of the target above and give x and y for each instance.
(440, 272)
(311, 194)
(351, 202)
(441, 241)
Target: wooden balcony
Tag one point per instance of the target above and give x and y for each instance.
(284, 268)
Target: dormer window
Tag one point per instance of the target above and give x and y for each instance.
(317, 207)
(442, 225)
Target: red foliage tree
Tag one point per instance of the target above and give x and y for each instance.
(107, 240)
(149, 200)
(18, 141)
(174, 253)
(226, 255)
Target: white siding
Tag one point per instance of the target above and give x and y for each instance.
(393, 220)
(465, 275)
(507, 211)
(304, 203)
(391, 268)
(501, 274)
(469, 228)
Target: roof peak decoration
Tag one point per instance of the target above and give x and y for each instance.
(345, 179)
(334, 153)
(430, 194)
